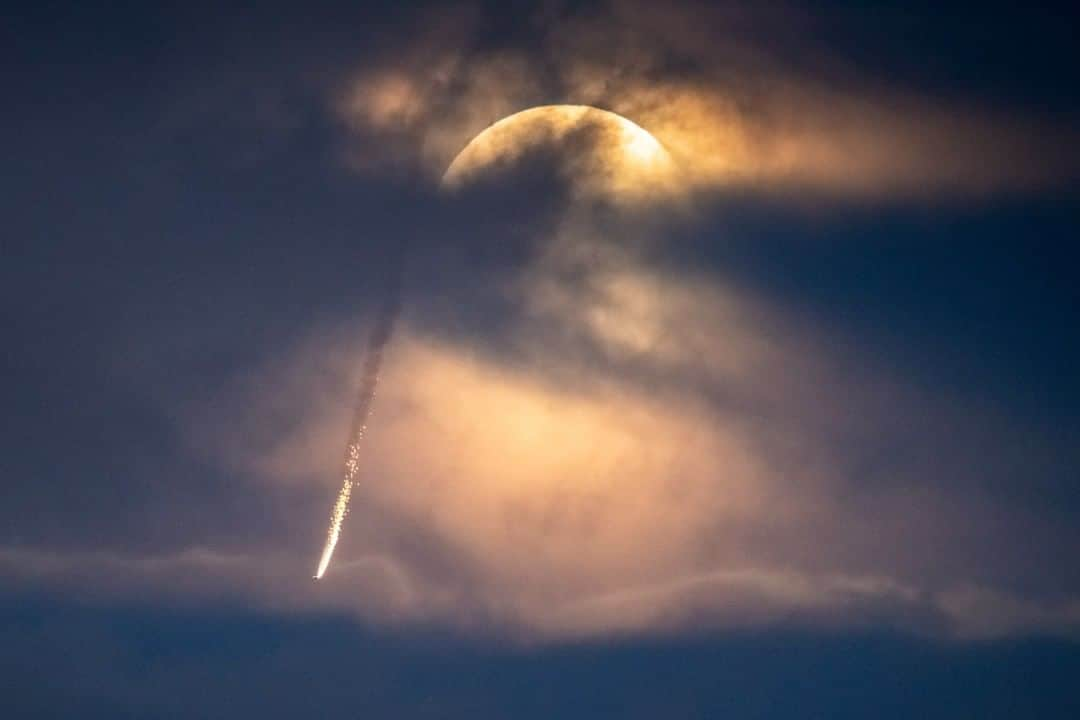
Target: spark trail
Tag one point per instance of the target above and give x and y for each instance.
(365, 396)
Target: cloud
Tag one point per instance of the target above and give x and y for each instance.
(640, 451)
(734, 113)
(601, 443)
(634, 449)
(380, 590)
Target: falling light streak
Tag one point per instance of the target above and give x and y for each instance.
(365, 397)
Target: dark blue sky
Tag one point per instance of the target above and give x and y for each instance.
(184, 208)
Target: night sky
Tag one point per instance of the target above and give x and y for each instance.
(764, 404)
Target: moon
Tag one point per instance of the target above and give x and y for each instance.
(599, 153)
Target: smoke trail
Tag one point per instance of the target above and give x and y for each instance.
(365, 396)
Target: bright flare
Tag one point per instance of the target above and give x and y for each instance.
(365, 396)
(341, 507)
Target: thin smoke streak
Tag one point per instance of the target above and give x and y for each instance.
(369, 383)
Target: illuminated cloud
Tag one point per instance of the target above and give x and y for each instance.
(551, 497)
(732, 115)
(641, 450)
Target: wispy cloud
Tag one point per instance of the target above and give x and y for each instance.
(725, 103)
(640, 449)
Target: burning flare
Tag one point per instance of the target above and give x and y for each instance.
(369, 382)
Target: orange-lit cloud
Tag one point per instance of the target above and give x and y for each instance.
(733, 116)
(640, 451)
(551, 497)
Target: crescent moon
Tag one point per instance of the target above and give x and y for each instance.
(621, 159)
